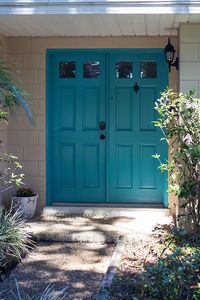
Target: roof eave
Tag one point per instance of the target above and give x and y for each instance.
(28, 7)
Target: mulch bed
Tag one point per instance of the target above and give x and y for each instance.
(6, 266)
(140, 251)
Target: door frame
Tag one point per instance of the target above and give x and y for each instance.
(107, 52)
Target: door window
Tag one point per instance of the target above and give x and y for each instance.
(67, 69)
(148, 69)
(91, 69)
(124, 69)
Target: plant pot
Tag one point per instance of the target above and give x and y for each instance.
(26, 205)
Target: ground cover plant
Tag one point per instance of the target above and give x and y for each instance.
(165, 266)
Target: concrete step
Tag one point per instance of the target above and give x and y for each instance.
(96, 224)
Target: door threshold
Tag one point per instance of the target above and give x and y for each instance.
(109, 210)
(111, 205)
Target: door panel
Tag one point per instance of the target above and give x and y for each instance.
(124, 171)
(148, 95)
(148, 167)
(124, 108)
(77, 107)
(116, 88)
(133, 139)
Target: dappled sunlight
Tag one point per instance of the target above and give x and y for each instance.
(96, 228)
(79, 266)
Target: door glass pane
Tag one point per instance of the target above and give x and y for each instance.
(124, 69)
(148, 69)
(67, 69)
(91, 69)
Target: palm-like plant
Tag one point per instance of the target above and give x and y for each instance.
(12, 95)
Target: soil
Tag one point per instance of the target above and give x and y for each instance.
(140, 251)
(78, 266)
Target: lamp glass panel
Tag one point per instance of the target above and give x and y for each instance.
(170, 56)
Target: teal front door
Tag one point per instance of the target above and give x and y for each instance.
(100, 136)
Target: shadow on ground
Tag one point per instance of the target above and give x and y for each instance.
(79, 266)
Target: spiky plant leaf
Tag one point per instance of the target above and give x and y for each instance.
(14, 240)
(12, 95)
(48, 294)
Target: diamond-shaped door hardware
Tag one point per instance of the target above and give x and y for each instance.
(136, 87)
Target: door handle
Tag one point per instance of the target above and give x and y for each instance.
(102, 125)
(102, 137)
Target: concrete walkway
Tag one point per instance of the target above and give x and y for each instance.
(96, 228)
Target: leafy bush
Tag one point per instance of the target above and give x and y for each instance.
(9, 172)
(179, 120)
(167, 267)
(175, 276)
(14, 240)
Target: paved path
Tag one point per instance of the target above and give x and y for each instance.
(80, 266)
(92, 229)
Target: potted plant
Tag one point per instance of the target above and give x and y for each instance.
(25, 200)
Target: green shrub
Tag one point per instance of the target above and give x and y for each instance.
(179, 121)
(10, 172)
(14, 240)
(175, 276)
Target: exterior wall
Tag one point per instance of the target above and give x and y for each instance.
(190, 58)
(189, 70)
(3, 126)
(29, 55)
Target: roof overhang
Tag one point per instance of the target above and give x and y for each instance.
(28, 7)
(96, 18)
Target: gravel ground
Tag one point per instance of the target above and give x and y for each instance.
(80, 266)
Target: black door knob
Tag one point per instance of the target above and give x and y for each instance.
(102, 136)
(102, 125)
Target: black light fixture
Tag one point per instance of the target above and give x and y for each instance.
(169, 56)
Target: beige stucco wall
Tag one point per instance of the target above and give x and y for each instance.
(3, 126)
(29, 56)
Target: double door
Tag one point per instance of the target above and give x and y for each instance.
(100, 133)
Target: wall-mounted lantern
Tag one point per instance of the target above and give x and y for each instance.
(169, 56)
